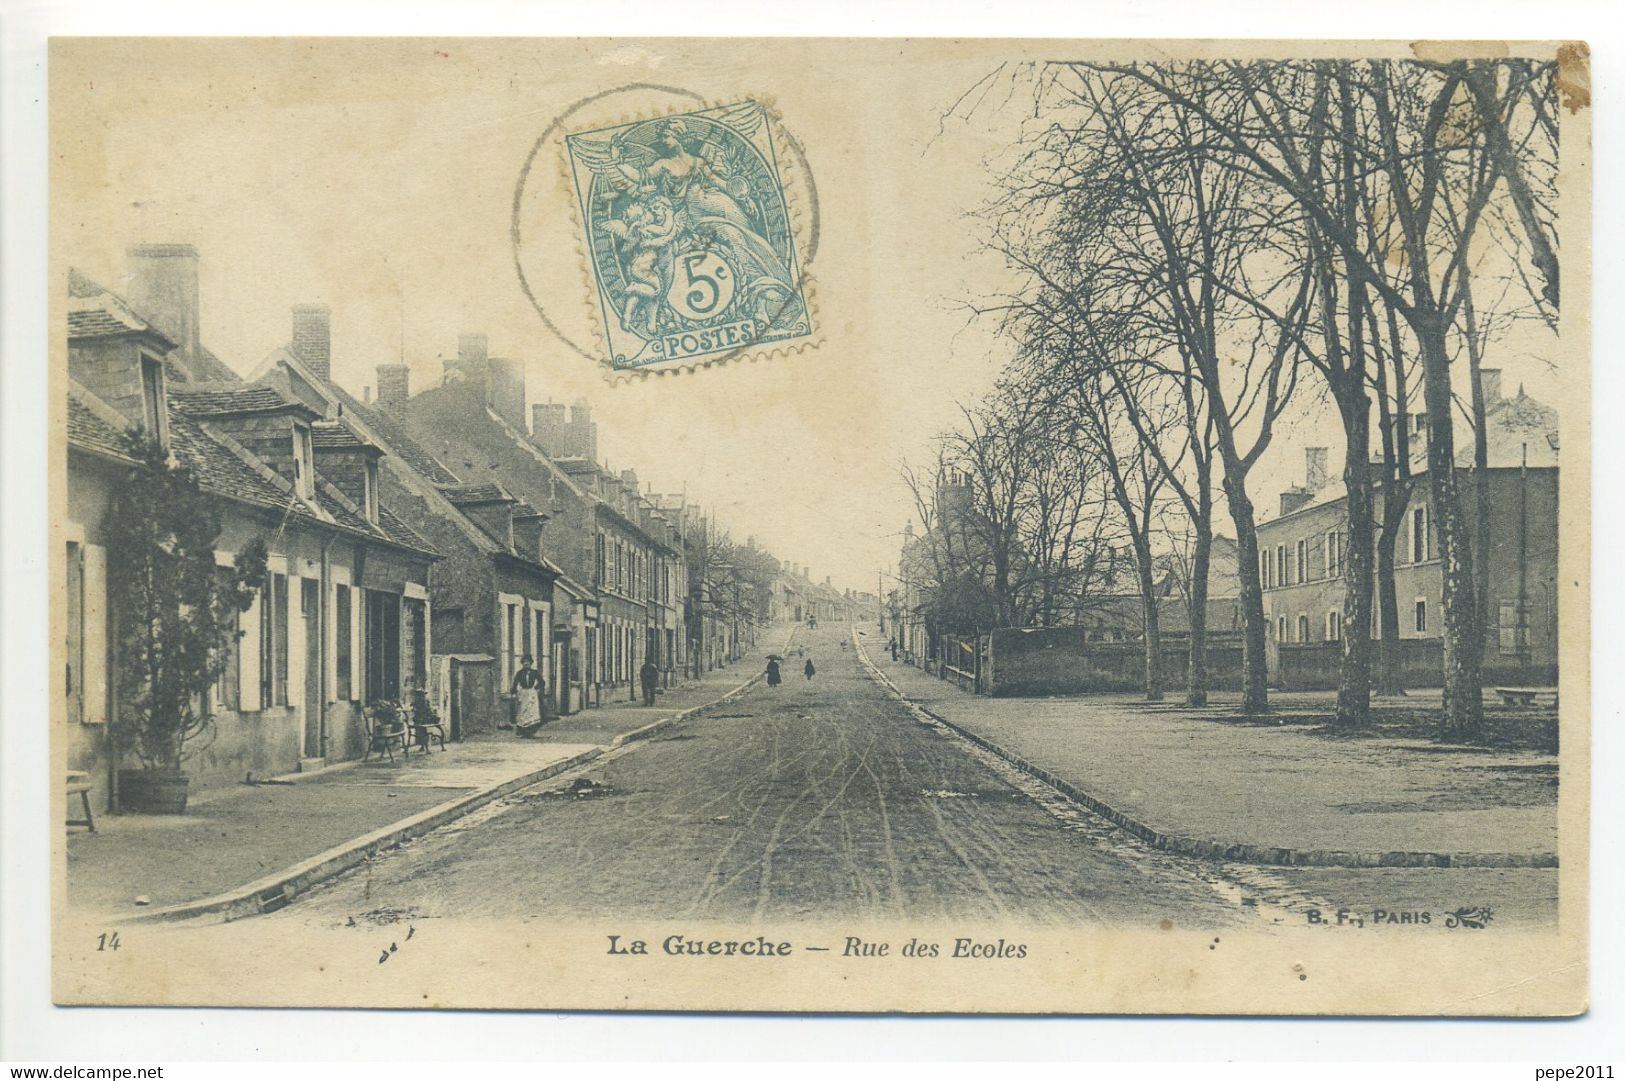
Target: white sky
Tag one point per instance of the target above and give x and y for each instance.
(379, 178)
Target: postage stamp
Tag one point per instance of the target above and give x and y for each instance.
(688, 235)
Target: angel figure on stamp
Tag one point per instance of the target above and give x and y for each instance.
(646, 229)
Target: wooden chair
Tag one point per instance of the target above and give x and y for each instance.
(426, 724)
(79, 785)
(386, 730)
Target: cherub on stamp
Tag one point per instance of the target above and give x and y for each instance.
(689, 237)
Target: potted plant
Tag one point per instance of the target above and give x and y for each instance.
(175, 618)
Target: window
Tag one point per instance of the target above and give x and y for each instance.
(1264, 569)
(1334, 554)
(1303, 624)
(343, 646)
(1421, 616)
(1334, 625)
(304, 478)
(1514, 629)
(152, 397)
(1420, 541)
(1280, 566)
(1280, 629)
(599, 565)
(369, 491)
(273, 658)
(223, 694)
(1302, 573)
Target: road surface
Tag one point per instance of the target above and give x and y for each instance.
(819, 798)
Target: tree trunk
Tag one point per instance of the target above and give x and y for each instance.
(1463, 653)
(1196, 676)
(1389, 675)
(1354, 683)
(1152, 683)
(1254, 647)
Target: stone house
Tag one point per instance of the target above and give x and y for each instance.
(344, 615)
(1303, 551)
(497, 596)
(599, 529)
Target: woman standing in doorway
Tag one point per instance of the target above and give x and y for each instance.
(527, 698)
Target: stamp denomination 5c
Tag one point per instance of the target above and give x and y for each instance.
(688, 235)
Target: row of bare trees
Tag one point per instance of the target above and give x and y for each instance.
(1198, 245)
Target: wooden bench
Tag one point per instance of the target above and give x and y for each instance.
(1527, 696)
(79, 785)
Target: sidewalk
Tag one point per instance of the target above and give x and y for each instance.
(285, 836)
(1262, 792)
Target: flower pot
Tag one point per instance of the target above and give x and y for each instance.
(152, 791)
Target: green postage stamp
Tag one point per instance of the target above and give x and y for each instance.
(688, 236)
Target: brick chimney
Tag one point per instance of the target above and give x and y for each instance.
(505, 391)
(549, 428)
(1293, 498)
(629, 480)
(163, 288)
(582, 441)
(394, 385)
(312, 338)
(1314, 467)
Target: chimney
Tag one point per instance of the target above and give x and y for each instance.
(1293, 498)
(1314, 467)
(1489, 383)
(582, 441)
(366, 395)
(472, 349)
(312, 338)
(549, 429)
(163, 288)
(505, 390)
(629, 479)
(394, 385)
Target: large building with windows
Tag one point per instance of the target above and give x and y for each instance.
(343, 617)
(1303, 547)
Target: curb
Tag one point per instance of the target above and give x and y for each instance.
(282, 887)
(654, 727)
(1264, 855)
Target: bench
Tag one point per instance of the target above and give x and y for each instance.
(79, 785)
(1527, 696)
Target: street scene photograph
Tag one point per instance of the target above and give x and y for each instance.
(683, 524)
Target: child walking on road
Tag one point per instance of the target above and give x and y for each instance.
(809, 669)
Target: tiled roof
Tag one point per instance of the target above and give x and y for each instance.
(401, 533)
(89, 431)
(94, 312)
(395, 439)
(462, 494)
(224, 400)
(218, 467)
(336, 435)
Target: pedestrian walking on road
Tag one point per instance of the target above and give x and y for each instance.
(809, 669)
(527, 689)
(648, 675)
(773, 678)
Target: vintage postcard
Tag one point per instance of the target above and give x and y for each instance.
(1050, 527)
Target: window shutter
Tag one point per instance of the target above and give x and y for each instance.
(248, 657)
(94, 680)
(358, 614)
